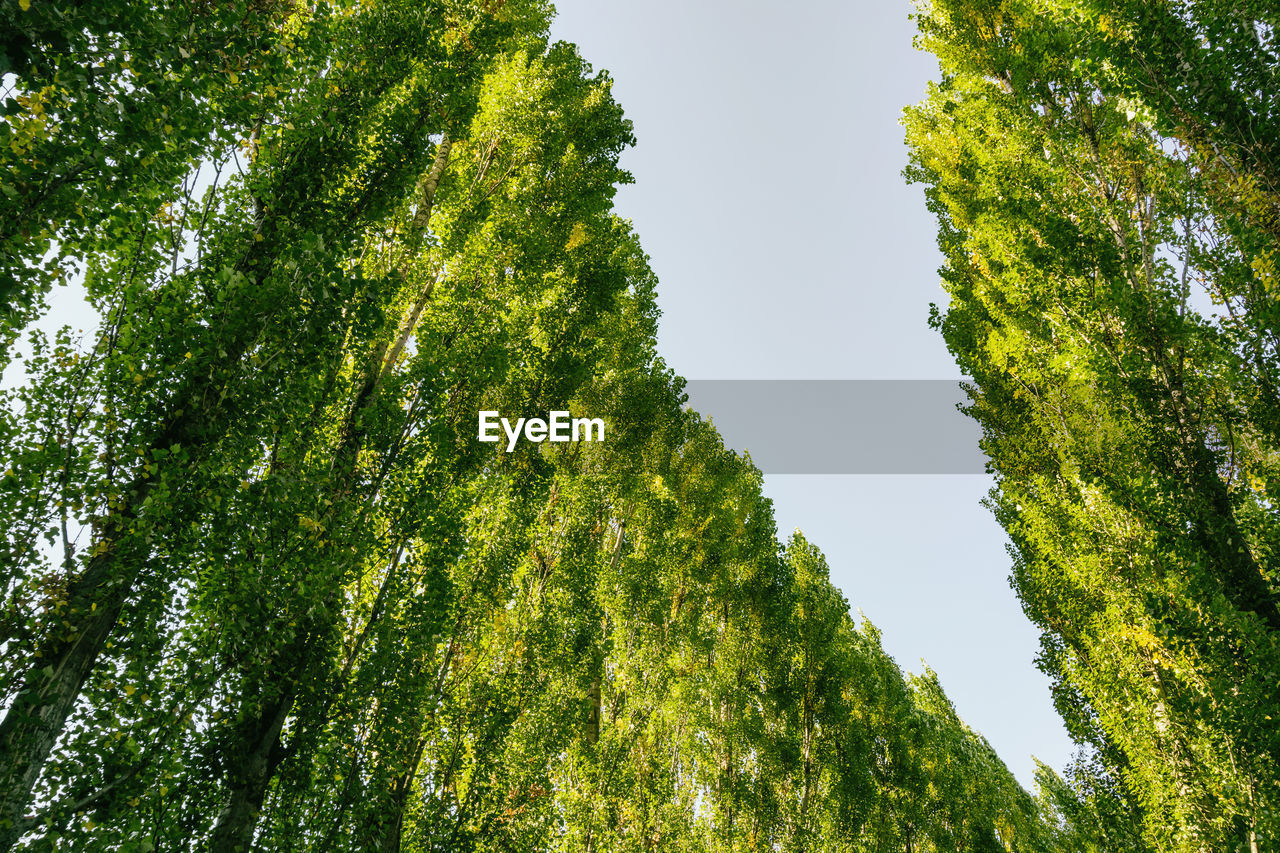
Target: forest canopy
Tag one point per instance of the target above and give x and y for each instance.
(263, 588)
(1105, 180)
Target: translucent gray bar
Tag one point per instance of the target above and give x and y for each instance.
(845, 426)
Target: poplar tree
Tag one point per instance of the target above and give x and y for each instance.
(1100, 173)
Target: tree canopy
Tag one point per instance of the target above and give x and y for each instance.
(264, 589)
(1104, 176)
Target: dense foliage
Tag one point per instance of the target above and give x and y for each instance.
(262, 586)
(1106, 179)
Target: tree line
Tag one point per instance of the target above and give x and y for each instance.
(1105, 180)
(262, 586)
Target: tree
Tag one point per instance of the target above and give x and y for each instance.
(1081, 197)
(189, 355)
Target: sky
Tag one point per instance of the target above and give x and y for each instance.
(769, 196)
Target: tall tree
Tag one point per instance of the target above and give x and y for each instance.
(1091, 168)
(190, 354)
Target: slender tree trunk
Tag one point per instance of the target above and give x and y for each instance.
(394, 834)
(248, 773)
(593, 692)
(247, 780)
(807, 757)
(593, 716)
(66, 656)
(64, 659)
(47, 695)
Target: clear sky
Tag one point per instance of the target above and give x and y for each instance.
(768, 194)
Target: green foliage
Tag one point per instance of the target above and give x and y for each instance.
(262, 588)
(1097, 173)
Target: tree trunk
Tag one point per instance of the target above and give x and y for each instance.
(259, 739)
(248, 772)
(64, 660)
(47, 695)
(593, 715)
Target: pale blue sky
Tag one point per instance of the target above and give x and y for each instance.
(768, 193)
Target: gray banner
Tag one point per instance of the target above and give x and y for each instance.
(844, 426)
